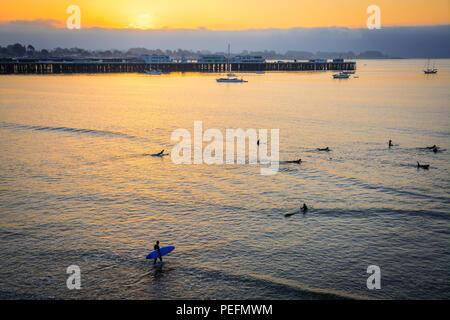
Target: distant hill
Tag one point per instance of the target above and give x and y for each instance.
(18, 50)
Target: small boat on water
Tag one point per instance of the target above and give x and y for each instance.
(341, 75)
(153, 72)
(230, 80)
(429, 70)
(230, 76)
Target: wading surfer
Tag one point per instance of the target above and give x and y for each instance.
(156, 247)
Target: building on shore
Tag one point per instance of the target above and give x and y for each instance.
(318, 60)
(212, 58)
(248, 59)
(155, 58)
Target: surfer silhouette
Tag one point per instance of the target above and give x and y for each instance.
(156, 247)
(159, 153)
(304, 208)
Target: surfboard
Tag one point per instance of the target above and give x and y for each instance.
(164, 251)
(160, 155)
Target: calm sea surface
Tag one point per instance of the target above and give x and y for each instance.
(78, 188)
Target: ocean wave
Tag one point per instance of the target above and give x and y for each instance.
(283, 287)
(379, 211)
(95, 132)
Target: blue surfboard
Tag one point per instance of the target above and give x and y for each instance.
(159, 155)
(164, 251)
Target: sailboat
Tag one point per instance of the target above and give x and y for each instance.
(230, 76)
(429, 70)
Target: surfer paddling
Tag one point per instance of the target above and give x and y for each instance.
(423, 166)
(156, 247)
(435, 148)
(294, 161)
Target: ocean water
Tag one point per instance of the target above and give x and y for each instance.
(77, 186)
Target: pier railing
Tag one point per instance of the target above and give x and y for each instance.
(45, 67)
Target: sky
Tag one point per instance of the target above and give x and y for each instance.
(229, 14)
(409, 28)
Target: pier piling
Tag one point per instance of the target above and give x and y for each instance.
(43, 67)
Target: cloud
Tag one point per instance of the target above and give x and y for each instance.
(408, 41)
(38, 23)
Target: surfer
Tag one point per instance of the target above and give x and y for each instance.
(323, 149)
(390, 143)
(156, 247)
(423, 166)
(432, 147)
(257, 142)
(295, 161)
(158, 154)
(304, 208)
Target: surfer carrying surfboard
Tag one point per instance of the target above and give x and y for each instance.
(159, 252)
(156, 247)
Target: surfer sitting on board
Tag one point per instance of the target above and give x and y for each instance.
(304, 208)
(156, 247)
(159, 153)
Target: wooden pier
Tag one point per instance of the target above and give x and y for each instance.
(50, 67)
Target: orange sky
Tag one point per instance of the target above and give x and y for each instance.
(230, 14)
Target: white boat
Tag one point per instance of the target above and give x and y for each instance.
(153, 72)
(341, 76)
(230, 80)
(429, 70)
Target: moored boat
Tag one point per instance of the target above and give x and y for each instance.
(153, 72)
(429, 70)
(341, 75)
(230, 80)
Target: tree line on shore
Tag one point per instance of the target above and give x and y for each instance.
(18, 50)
